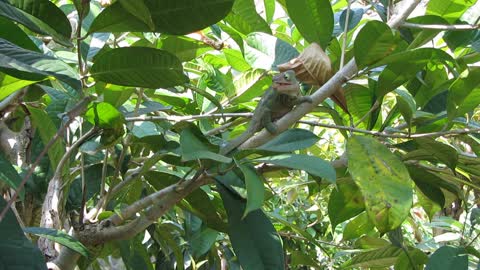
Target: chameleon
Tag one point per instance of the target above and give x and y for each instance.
(278, 100)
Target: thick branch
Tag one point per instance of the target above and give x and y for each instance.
(164, 200)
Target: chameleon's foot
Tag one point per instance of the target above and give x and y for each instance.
(271, 128)
(304, 99)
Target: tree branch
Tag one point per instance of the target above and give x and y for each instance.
(454, 27)
(176, 118)
(164, 201)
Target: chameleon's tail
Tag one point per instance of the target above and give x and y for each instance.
(231, 145)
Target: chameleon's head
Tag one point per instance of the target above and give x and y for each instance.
(286, 82)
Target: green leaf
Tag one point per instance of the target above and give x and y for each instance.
(433, 82)
(165, 235)
(370, 242)
(236, 60)
(13, 33)
(464, 94)
(345, 202)
(205, 209)
(418, 257)
(195, 14)
(104, 115)
(117, 95)
(16, 251)
(254, 239)
(269, 10)
(406, 104)
(265, 51)
(301, 258)
(424, 35)
(448, 257)
(450, 10)
(184, 48)
(134, 254)
(255, 189)
(59, 237)
(250, 85)
(424, 181)
(83, 7)
(383, 180)
(443, 152)
(139, 10)
(421, 56)
(193, 148)
(245, 19)
(202, 242)
(360, 100)
(301, 230)
(374, 42)
(9, 175)
(475, 216)
(9, 85)
(139, 66)
(313, 165)
(424, 178)
(40, 16)
(429, 205)
(290, 140)
(358, 226)
(234, 34)
(47, 12)
(355, 17)
(47, 129)
(394, 75)
(378, 258)
(31, 65)
(313, 19)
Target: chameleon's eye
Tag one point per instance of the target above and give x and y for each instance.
(286, 76)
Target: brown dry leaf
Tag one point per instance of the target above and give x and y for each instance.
(313, 67)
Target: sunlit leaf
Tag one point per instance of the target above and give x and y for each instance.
(383, 180)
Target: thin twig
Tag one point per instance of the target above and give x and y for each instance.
(400, 136)
(84, 183)
(104, 174)
(454, 27)
(374, 107)
(294, 236)
(345, 34)
(175, 118)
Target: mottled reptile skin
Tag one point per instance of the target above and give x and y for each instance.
(277, 101)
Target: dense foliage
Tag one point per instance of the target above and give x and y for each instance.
(113, 113)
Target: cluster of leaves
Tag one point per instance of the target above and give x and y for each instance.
(152, 99)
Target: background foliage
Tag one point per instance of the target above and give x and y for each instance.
(113, 114)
